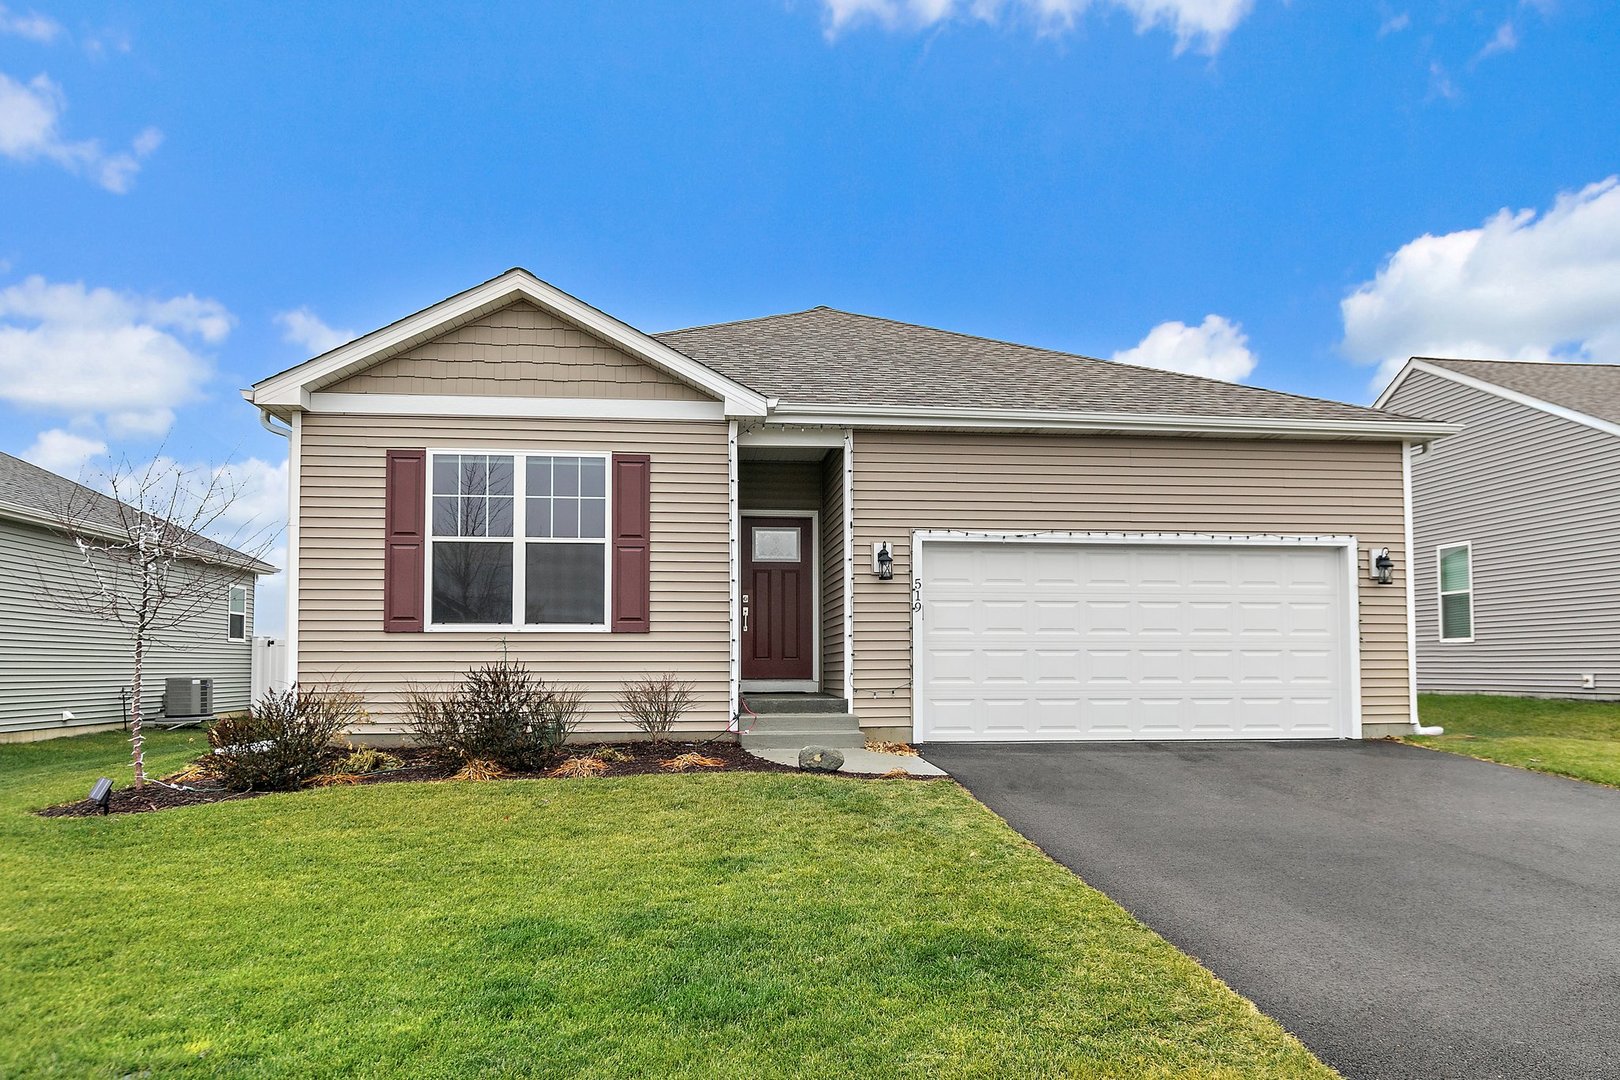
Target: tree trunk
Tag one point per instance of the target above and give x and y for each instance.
(136, 739)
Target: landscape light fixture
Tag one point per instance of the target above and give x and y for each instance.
(101, 794)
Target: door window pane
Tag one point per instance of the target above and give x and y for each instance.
(776, 544)
(564, 584)
(472, 583)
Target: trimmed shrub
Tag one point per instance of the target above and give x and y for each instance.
(502, 714)
(654, 703)
(284, 739)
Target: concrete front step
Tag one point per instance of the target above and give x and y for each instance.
(796, 730)
(777, 704)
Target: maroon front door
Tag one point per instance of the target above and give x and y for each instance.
(779, 636)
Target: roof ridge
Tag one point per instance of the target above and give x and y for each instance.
(661, 334)
(1522, 363)
(1183, 375)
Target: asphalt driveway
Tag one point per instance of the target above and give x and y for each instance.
(1406, 913)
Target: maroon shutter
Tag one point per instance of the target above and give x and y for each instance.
(405, 518)
(632, 535)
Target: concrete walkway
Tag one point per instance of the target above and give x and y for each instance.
(860, 762)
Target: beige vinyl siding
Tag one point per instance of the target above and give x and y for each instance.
(52, 659)
(518, 351)
(779, 485)
(1538, 497)
(906, 481)
(832, 573)
(340, 584)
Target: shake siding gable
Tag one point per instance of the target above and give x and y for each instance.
(518, 351)
(1538, 498)
(341, 555)
(910, 481)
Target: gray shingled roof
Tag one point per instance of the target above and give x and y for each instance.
(26, 487)
(828, 357)
(1593, 389)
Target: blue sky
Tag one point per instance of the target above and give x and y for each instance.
(1291, 194)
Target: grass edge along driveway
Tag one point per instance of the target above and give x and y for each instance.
(726, 925)
(1577, 739)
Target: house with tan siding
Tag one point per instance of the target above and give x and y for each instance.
(1516, 522)
(937, 536)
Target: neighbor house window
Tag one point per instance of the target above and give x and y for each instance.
(1457, 593)
(236, 613)
(519, 540)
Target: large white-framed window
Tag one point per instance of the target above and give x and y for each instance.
(517, 540)
(236, 614)
(1456, 574)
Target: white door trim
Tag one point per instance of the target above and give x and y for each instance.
(1350, 721)
(790, 686)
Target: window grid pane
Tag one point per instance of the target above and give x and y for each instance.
(1454, 569)
(1456, 616)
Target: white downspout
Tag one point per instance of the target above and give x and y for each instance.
(734, 546)
(1411, 598)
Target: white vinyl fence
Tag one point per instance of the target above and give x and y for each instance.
(269, 666)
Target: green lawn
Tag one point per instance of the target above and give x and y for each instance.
(1570, 738)
(724, 925)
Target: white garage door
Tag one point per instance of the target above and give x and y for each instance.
(1064, 641)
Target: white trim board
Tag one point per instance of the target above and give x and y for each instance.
(1562, 412)
(1351, 726)
(547, 408)
(898, 416)
(812, 684)
(291, 388)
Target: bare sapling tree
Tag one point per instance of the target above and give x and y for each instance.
(160, 548)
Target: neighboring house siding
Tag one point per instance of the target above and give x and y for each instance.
(340, 566)
(832, 573)
(1538, 497)
(917, 481)
(518, 351)
(52, 659)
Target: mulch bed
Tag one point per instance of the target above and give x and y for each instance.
(639, 759)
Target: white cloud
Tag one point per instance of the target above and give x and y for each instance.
(63, 452)
(71, 349)
(1505, 40)
(1215, 349)
(302, 327)
(30, 115)
(1201, 24)
(33, 26)
(1522, 286)
(1395, 24)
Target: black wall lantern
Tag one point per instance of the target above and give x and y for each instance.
(1382, 567)
(883, 561)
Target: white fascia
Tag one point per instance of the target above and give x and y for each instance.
(1560, 411)
(894, 416)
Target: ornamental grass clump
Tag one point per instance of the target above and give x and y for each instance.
(284, 739)
(580, 768)
(368, 759)
(683, 762)
(502, 714)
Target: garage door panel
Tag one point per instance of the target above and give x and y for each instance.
(1075, 641)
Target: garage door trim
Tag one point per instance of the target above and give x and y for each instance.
(1350, 723)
